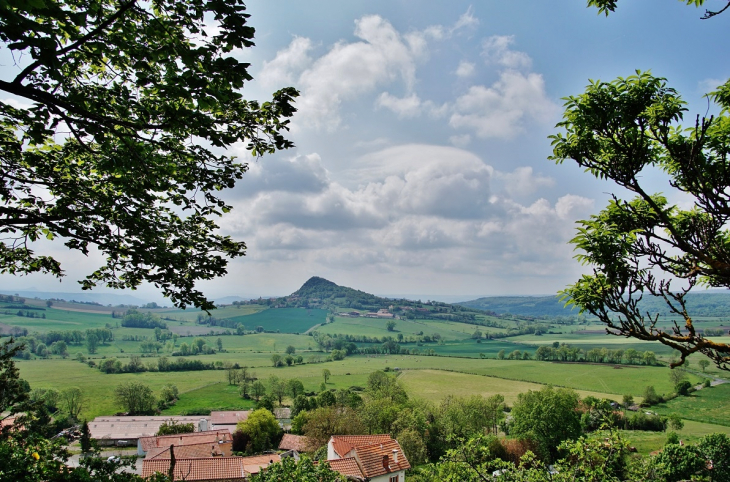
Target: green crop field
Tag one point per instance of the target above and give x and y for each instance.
(647, 442)
(377, 327)
(285, 320)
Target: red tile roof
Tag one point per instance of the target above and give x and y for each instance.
(347, 467)
(344, 443)
(300, 443)
(214, 468)
(211, 436)
(192, 451)
(377, 459)
(254, 464)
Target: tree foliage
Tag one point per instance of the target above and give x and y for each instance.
(136, 398)
(261, 429)
(548, 416)
(608, 6)
(645, 247)
(115, 141)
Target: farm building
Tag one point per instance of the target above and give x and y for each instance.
(212, 469)
(125, 431)
(221, 437)
(227, 419)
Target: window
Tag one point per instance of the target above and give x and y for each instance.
(394, 478)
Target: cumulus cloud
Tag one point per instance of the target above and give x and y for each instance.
(522, 182)
(495, 49)
(465, 69)
(347, 70)
(288, 63)
(406, 206)
(502, 109)
(410, 106)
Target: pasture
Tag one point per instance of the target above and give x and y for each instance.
(284, 320)
(709, 405)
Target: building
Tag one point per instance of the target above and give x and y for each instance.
(375, 458)
(211, 469)
(126, 430)
(298, 443)
(227, 419)
(218, 437)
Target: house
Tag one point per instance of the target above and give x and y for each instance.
(298, 443)
(283, 416)
(376, 458)
(227, 419)
(212, 469)
(126, 430)
(192, 451)
(221, 437)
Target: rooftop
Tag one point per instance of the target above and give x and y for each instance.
(211, 436)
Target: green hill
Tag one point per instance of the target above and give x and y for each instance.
(698, 304)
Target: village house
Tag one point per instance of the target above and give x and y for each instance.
(296, 443)
(211, 469)
(375, 458)
(221, 437)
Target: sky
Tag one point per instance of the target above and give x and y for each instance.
(421, 162)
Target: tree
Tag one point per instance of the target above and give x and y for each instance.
(172, 427)
(294, 388)
(640, 247)
(258, 390)
(276, 360)
(324, 422)
(290, 350)
(548, 415)
(262, 429)
(704, 364)
(92, 343)
(128, 105)
(72, 402)
(326, 374)
(277, 388)
(219, 344)
(390, 325)
(136, 398)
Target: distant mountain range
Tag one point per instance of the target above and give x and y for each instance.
(698, 304)
(113, 299)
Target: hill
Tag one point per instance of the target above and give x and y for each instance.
(698, 304)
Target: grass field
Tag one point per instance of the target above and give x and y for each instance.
(377, 327)
(98, 387)
(202, 400)
(647, 442)
(709, 405)
(435, 385)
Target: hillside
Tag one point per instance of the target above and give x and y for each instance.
(698, 304)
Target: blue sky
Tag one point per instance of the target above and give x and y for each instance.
(422, 140)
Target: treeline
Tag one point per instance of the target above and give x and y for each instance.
(568, 353)
(58, 342)
(135, 319)
(210, 320)
(162, 364)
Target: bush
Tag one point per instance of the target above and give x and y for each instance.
(683, 388)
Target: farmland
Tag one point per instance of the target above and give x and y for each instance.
(459, 364)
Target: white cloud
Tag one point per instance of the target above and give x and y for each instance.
(495, 49)
(288, 63)
(462, 140)
(466, 20)
(465, 69)
(502, 109)
(350, 70)
(522, 181)
(410, 106)
(407, 207)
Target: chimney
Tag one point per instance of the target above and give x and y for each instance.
(395, 456)
(385, 462)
